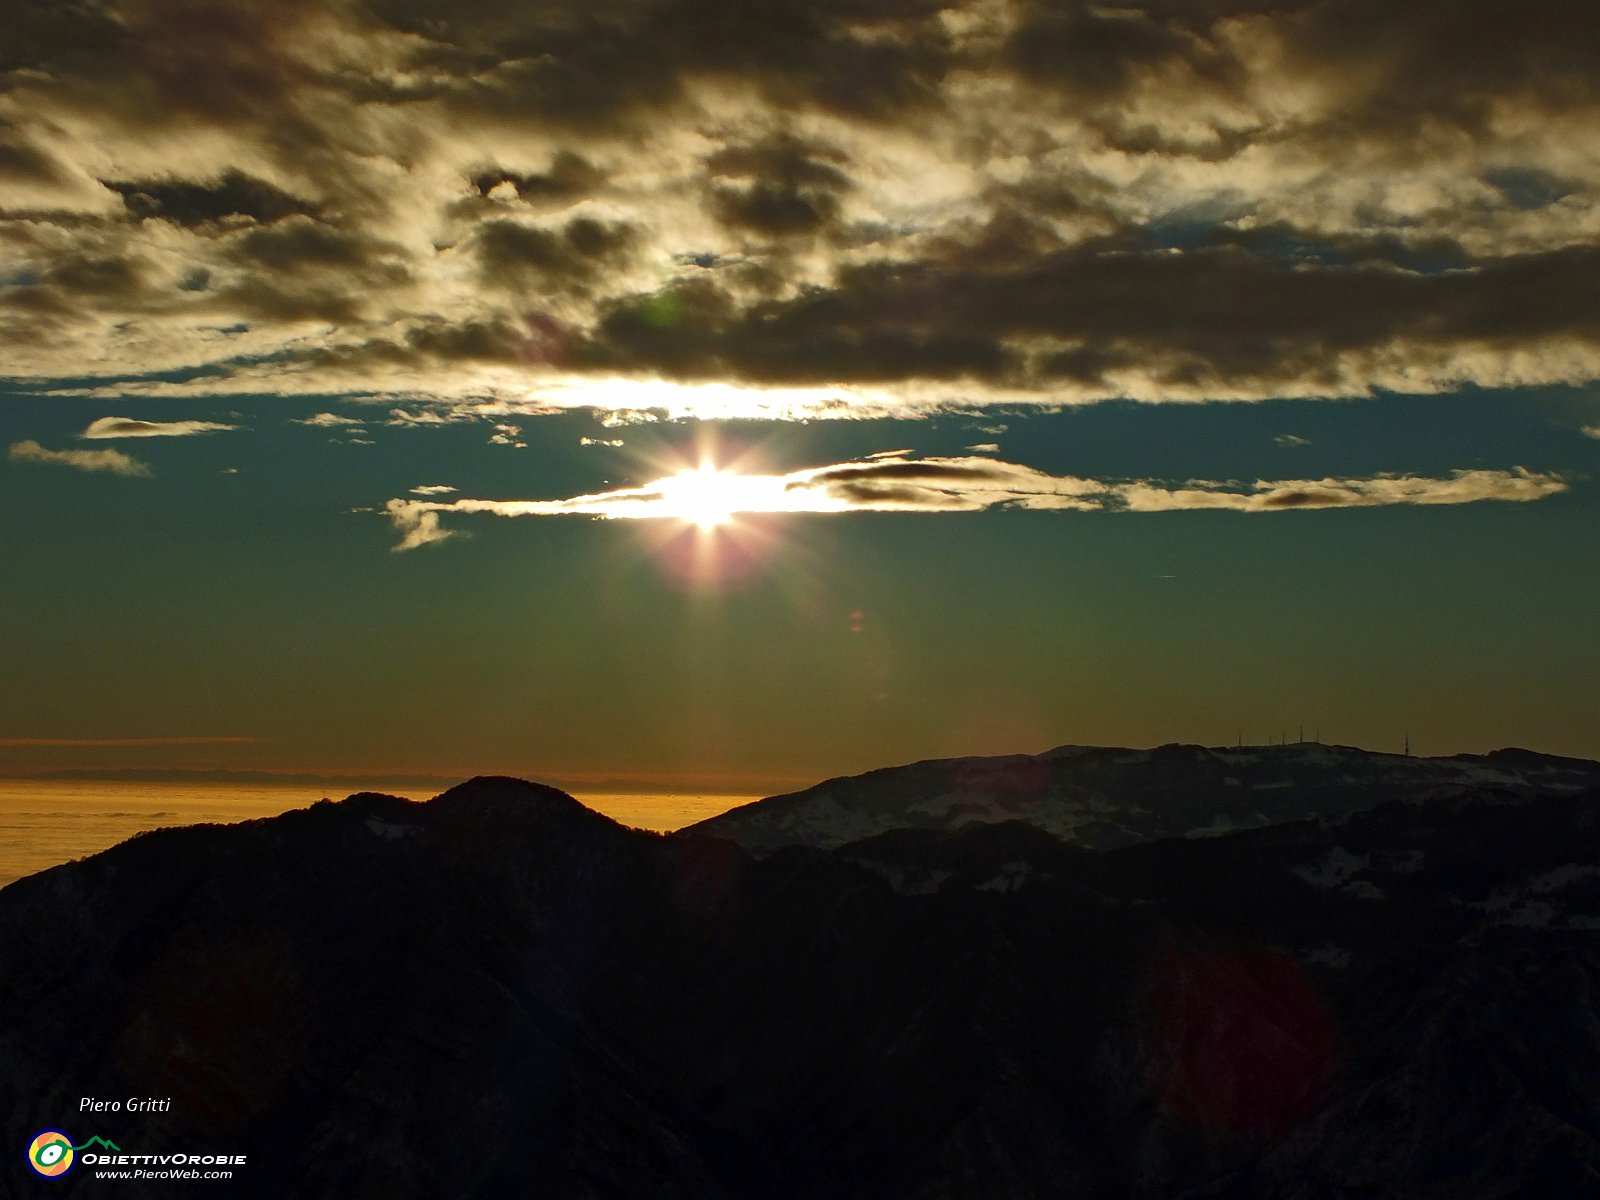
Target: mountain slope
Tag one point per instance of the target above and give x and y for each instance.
(1105, 797)
(499, 993)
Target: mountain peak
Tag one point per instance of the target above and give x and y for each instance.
(506, 787)
(515, 802)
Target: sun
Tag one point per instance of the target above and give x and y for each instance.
(705, 497)
(717, 530)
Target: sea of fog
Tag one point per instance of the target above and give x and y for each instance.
(44, 822)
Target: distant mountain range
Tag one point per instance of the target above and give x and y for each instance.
(501, 993)
(1105, 797)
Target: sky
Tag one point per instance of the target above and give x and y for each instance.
(711, 392)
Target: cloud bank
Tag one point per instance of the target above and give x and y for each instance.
(943, 485)
(942, 204)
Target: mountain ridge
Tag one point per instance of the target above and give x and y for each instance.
(1107, 796)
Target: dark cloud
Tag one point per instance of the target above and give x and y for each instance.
(521, 257)
(696, 330)
(1390, 71)
(569, 177)
(1529, 188)
(1007, 239)
(1406, 63)
(1224, 315)
(222, 60)
(107, 276)
(270, 300)
(78, 283)
(776, 188)
(531, 341)
(186, 202)
(302, 243)
(480, 341)
(832, 53)
(53, 35)
(1388, 68)
(594, 64)
(1095, 53)
(302, 269)
(1238, 311)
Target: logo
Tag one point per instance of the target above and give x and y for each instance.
(50, 1153)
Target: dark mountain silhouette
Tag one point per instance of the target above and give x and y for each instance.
(1103, 797)
(500, 993)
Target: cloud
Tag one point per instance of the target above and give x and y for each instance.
(418, 523)
(433, 489)
(1591, 431)
(589, 441)
(1461, 487)
(568, 177)
(985, 448)
(934, 485)
(233, 194)
(519, 258)
(1291, 440)
(897, 204)
(130, 427)
(326, 420)
(113, 461)
(404, 418)
(507, 435)
(776, 188)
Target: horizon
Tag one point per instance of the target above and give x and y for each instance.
(690, 785)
